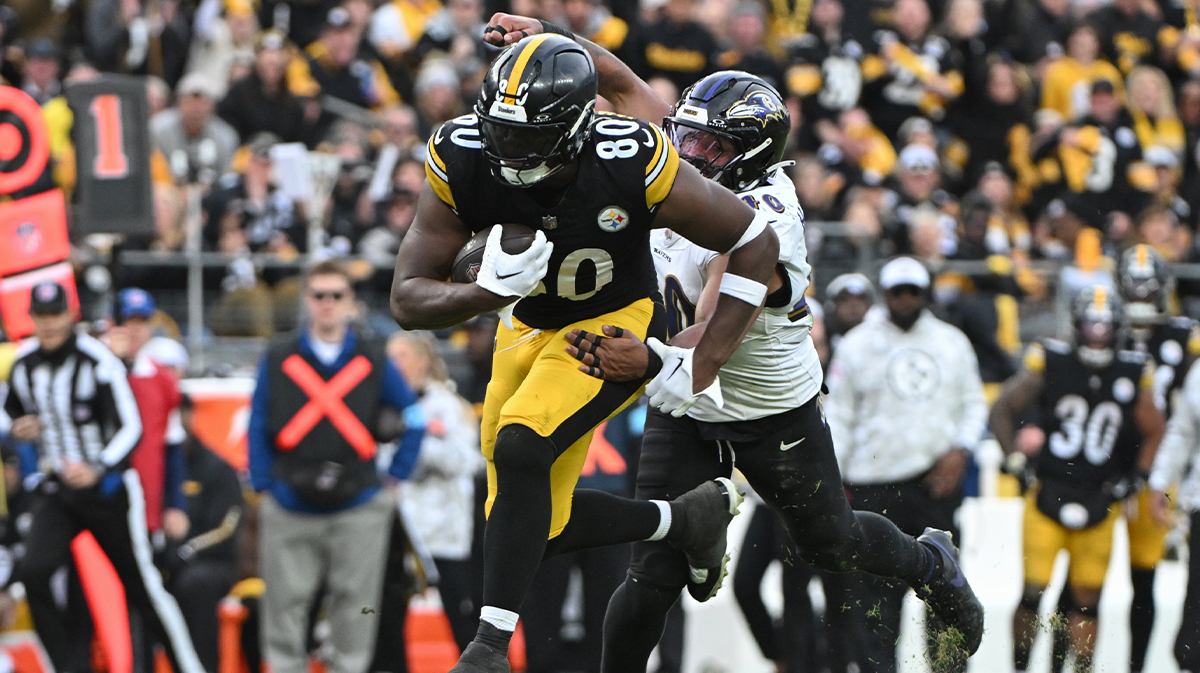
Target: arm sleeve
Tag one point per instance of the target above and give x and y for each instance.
(396, 394)
(1182, 438)
(176, 474)
(114, 383)
(258, 437)
(971, 396)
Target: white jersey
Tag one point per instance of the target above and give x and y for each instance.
(776, 368)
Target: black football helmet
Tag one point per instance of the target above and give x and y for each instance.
(1146, 285)
(535, 108)
(1097, 319)
(731, 126)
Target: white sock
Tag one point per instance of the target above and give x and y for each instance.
(505, 620)
(664, 520)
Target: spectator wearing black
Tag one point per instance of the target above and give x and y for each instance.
(676, 46)
(42, 64)
(915, 188)
(1128, 34)
(261, 102)
(123, 36)
(825, 71)
(1095, 155)
(324, 518)
(1003, 98)
(849, 297)
(300, 20)
(86, 485)
(335, 65)
(203, 566)
(455, 31)
(251, 207)
(911, 72)
(747, 27)
(1040, 30)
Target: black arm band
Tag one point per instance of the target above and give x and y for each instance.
(653, 364)
(548, 27)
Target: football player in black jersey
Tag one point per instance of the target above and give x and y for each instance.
(1146, 285)
(592, 186)
(1096, 405)
(744, 152)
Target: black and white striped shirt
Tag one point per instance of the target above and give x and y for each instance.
(82, 396)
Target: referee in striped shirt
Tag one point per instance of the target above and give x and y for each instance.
(69, 395)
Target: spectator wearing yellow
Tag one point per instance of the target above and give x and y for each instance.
(1152, 105)
(592, 20)
(1129, 35)
(855, 138)
(1065, 86)
(334, 65)
(397, 25)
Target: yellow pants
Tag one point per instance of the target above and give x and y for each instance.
(1089, 548)
(535, 383)
(1147, 539)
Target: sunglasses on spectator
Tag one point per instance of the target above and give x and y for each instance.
(322, 295)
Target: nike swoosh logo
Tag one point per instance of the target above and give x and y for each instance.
(437, 137)
(785, 447)
(515, 273)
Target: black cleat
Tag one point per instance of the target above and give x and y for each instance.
(949, 595)
(707, 511)
(479, 658)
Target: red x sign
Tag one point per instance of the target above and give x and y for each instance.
(325, 400)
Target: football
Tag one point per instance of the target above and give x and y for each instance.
(516, 238)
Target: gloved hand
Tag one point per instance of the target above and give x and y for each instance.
(513, 275)
(671, 390)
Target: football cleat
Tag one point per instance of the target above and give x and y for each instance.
(707, 511)
(949, 595)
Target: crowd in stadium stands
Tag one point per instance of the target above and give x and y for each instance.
(980, 138)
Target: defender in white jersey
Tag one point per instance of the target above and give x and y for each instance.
(733, 127)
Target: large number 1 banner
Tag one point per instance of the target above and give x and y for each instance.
(112, 156)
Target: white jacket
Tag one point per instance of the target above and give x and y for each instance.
(1181, 445)
(898, 401)
(439, 497)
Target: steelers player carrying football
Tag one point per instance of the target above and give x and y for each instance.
(592, 186)
(733, 127)
(1096, 406)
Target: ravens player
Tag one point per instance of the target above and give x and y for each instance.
(733, 126)
(1096, 404)
(592, 186)
(1146, 285)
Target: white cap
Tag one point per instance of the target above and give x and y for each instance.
(918, 158)
(1161, 156)
(903, 271)
(197, 84)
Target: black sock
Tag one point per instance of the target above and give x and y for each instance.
(1141, 616)
(495, 638)
(1021, 653)
(515, 538)
(599, 519)
(888, 552)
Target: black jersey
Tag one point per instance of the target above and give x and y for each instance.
(1173, 346)
(600, 225)
(1087, 414)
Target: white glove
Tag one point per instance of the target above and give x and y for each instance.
(671, 390)
(513, 275)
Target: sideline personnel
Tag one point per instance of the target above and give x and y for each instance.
(70, 395)
(324, 519)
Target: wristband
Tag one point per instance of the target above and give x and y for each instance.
(750, 291)
(548, 27)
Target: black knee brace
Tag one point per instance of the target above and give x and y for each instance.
(520, 450)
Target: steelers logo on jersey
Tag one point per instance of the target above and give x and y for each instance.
(1171, 352)
(913, 374)
(612, 219)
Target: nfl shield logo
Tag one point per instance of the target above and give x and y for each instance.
(549, 222)
(29, 237)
